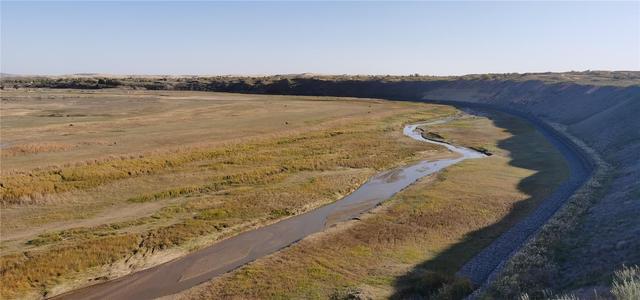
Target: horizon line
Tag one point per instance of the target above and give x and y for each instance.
(98, 74)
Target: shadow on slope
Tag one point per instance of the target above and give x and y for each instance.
(435, 278)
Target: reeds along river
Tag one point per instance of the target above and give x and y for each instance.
(231, 253)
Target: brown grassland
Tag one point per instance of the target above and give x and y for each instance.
(96, 184)
(413, 244)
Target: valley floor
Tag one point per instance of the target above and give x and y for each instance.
(97, 184)
(414, 244)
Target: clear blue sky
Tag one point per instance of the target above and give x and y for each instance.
(437, 38)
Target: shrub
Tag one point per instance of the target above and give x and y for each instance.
(458, 289)
(423, 283)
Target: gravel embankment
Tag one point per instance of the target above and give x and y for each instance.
(490, 260)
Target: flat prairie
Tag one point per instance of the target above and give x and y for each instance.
(55, 127)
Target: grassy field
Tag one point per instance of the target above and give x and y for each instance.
(414, 243)
(97, 184)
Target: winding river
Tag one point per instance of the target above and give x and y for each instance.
(229, 254)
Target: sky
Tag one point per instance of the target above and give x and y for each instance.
(260, 38)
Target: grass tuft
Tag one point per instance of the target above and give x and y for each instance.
(626, 283)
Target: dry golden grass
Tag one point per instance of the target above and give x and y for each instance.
(195, 167)
(193, 193)
(626, 284)
(34, 148)
(416, 242)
